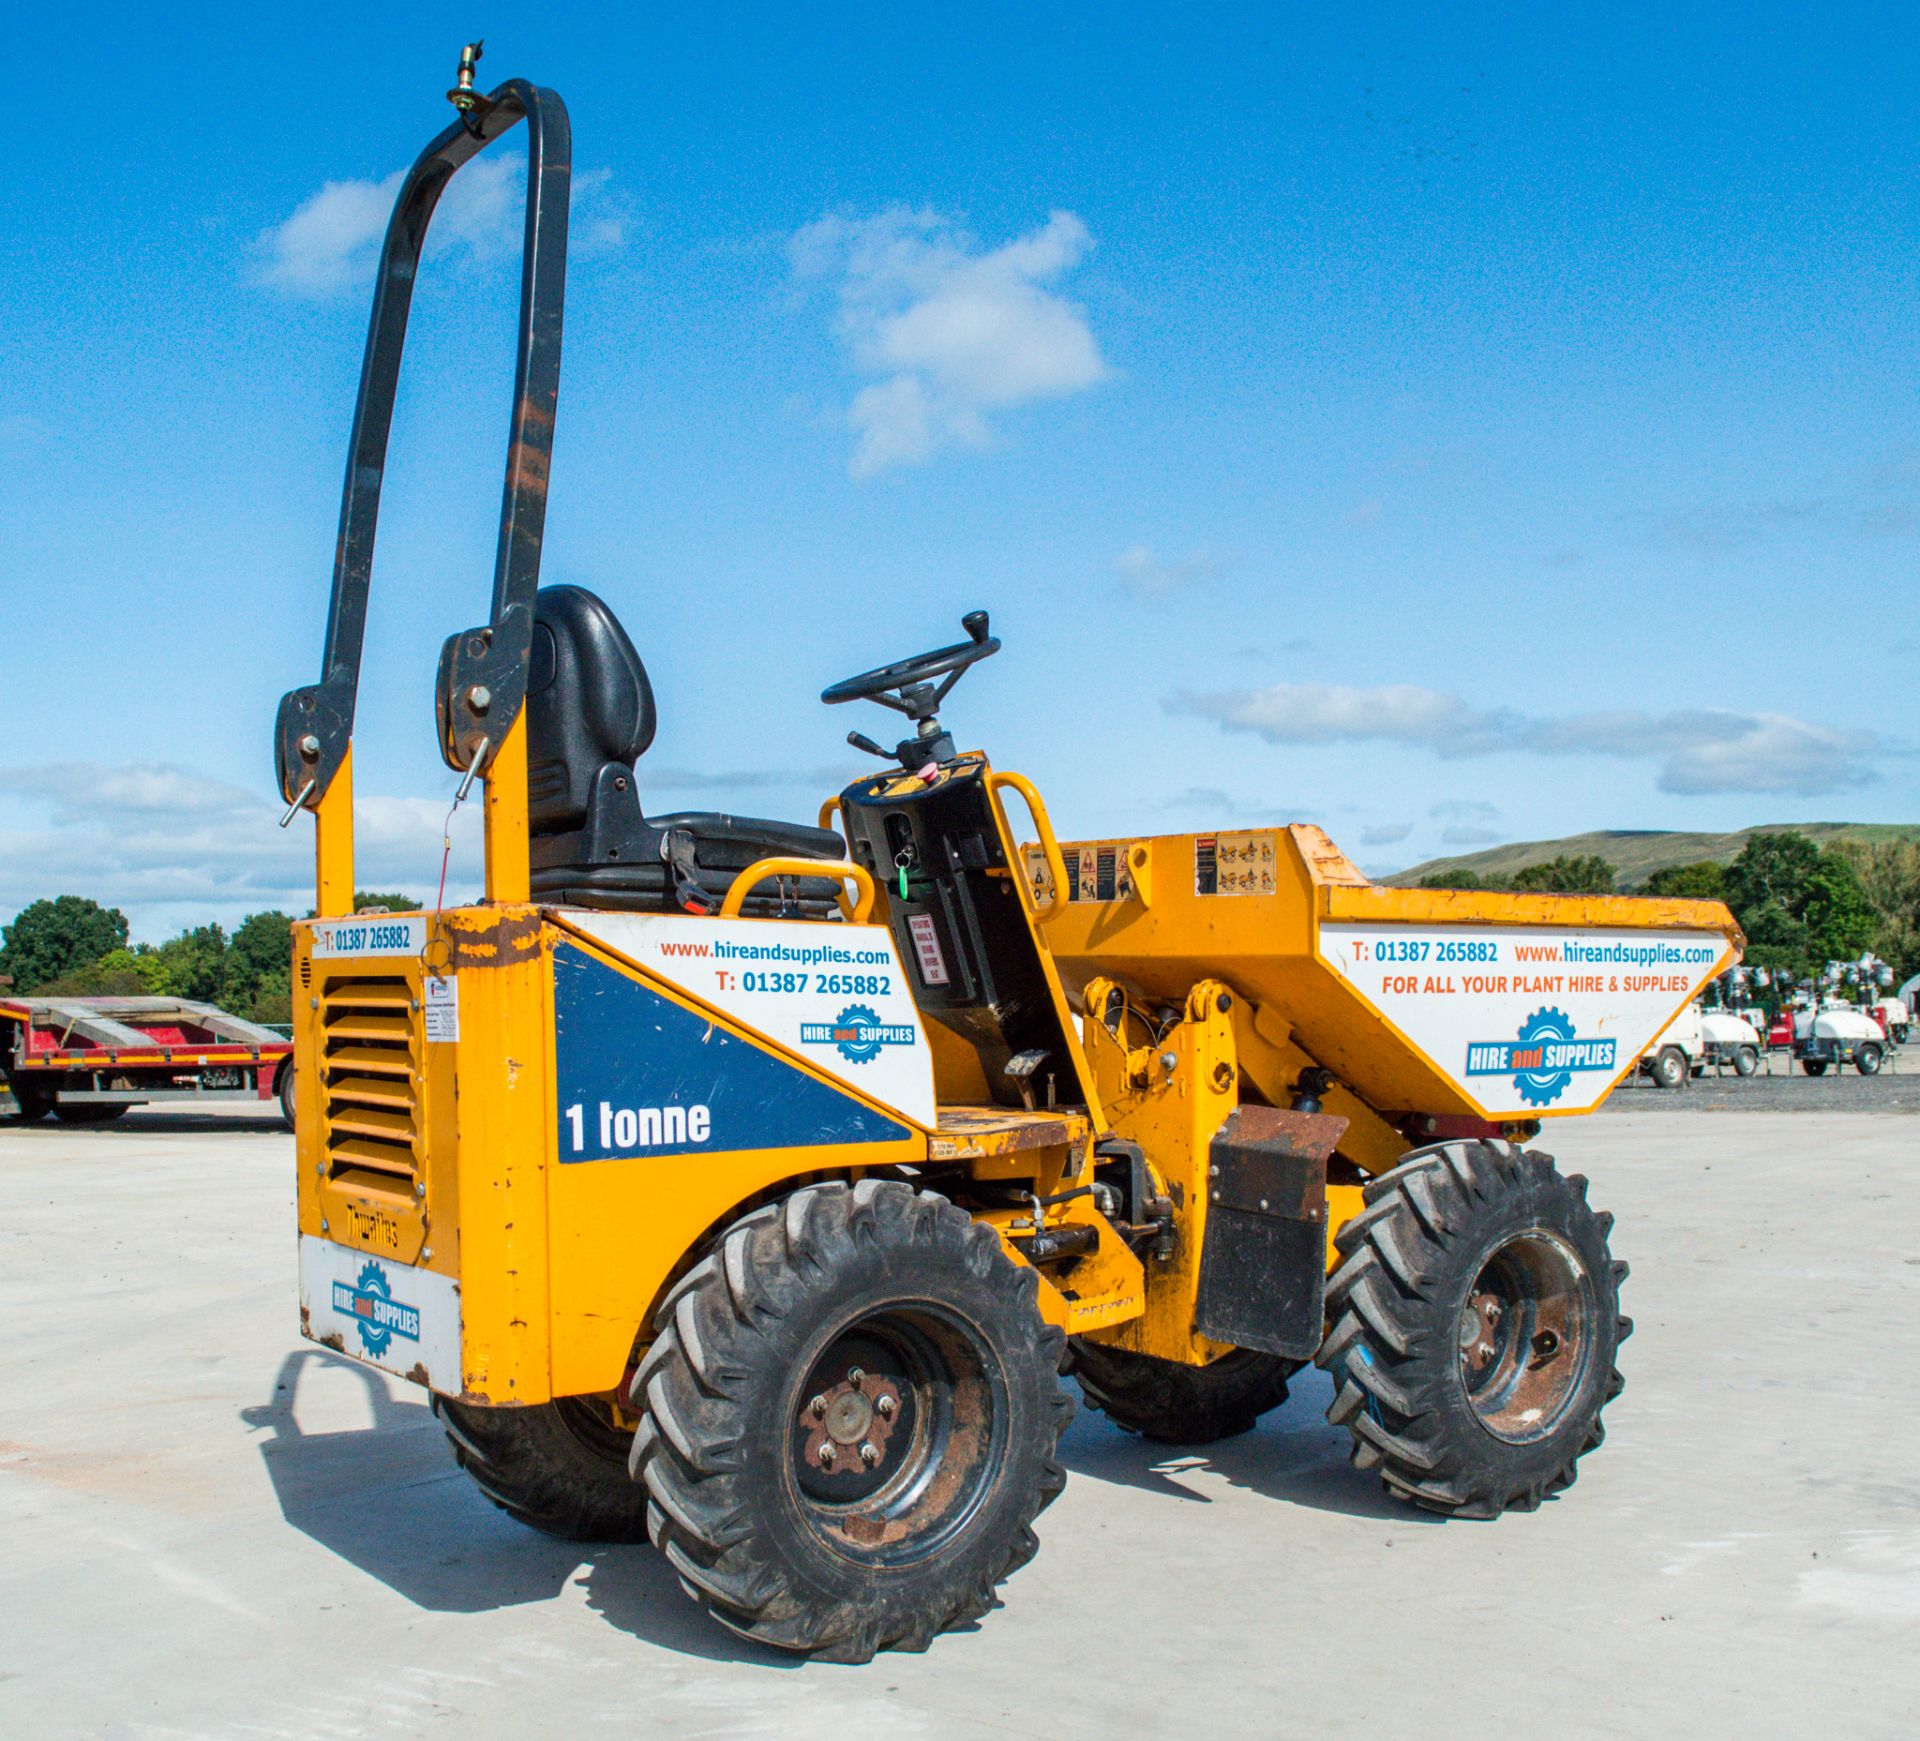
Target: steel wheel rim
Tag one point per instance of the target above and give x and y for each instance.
(894, 1433)
(1526, 1331)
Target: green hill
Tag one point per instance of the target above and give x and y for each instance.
(1637, 853)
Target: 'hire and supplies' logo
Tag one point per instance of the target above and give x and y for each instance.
(376, 1314)
(858, 1032)
(1543, 1060)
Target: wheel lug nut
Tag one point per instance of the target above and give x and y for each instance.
(884, 1406)
(868, 1455)
(817, 1407)
(826, 1456)
(854, 1376)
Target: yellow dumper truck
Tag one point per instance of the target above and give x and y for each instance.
(749, 1186)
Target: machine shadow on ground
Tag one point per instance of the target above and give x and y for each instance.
(1293, 1456)
(388, 1499)
(142, 1124)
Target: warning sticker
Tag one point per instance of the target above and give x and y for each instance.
(440, 1002)
(1234, 864)
(926, 948)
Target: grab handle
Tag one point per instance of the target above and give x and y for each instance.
(758, 872)
(1049, 846)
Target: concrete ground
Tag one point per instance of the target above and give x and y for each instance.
(209, 1529)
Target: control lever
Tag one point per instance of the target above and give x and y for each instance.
(861, 741)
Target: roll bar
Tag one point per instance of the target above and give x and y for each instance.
(483, 671)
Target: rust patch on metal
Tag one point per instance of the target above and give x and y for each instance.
(306, 1323)
(504, 941)
(334, 1340)
(417, 1374)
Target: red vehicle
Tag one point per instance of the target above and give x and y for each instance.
(89, 1059)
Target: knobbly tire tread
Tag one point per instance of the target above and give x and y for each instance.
(542, 1470)
(722, 1352)
(1173, 1404)
(1407, 1261)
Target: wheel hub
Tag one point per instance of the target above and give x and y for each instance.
(848, 1424)
(1525, 1330)
(1480, 1330)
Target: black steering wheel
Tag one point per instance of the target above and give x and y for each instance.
(908, 685)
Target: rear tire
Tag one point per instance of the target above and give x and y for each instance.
(1868, 1059)
(34, 1102)
(1180, 1405)
(559, 1467)
(1814, 1066)
(1669, 1069)
(1476, 1318)
(851, 1414)
(283, 1087)
(1746, 1061)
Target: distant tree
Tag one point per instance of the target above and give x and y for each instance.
(1453, 880)
(1800, 907)
(50, 938)
(254, 978)
(1582, 874)
(364, 898)
(194, 963)
(1889, 873)
(1705, 881)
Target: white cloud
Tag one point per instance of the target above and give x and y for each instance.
(1142, 572)
(331, 243)
(1698, 751)
(945, 330)
(170, 846)
(1462, 835)
(1386, 834)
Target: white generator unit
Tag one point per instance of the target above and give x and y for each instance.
(1837, 1034)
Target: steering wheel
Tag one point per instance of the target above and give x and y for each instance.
(908, 685)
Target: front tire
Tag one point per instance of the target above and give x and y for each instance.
(1476, 1318)
(1669, 1068)
(850, 1419)
(559, 1467)
(1868, 1059)
(283, 1087)
(1746, 1061)
(1181, 1405)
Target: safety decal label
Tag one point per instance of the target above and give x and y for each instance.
(388, 1314)
(799, 984)
(440, 1004)
(1235, 864)
(926, 948)
(640, 1075)
(373, 934)
(1525, 1018)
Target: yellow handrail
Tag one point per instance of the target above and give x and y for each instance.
(1049, 846)
(758, 872)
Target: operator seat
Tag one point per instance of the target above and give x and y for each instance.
(590, 717)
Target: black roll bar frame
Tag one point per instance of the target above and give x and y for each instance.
(483, 671)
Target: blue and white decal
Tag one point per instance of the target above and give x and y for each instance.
(1543, 1060)
(857, 1034)
(834, 995)
(638, 1074)
(376, 1314)
(388, 1314)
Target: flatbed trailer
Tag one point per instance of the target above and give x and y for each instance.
(89, 1059)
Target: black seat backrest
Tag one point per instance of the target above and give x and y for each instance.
(589, 705)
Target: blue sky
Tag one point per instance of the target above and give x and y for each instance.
(1449, 428)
